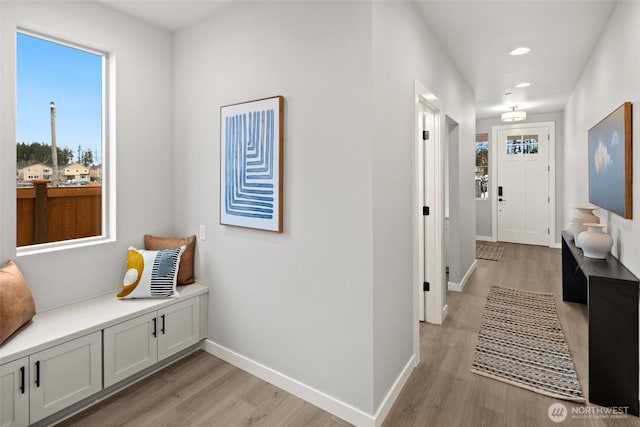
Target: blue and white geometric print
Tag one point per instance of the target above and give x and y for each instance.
(250, 164)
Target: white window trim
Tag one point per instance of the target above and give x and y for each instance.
(108, 153)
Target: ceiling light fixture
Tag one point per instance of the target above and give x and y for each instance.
(519, 51)
(513, 115)
(523, 84)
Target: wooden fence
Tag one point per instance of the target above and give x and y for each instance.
(51, 214)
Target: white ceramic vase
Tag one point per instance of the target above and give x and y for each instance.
(595, 243)
(586, 215)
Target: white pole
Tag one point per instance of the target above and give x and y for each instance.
(54, 148)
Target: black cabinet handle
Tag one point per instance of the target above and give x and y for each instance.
(38, 373)
(162, 330)
(22, 385)
(154, 327)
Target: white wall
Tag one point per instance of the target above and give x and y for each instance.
(609, 79)
(299, 302)
(143, 143)
(329, 301)
(483, 207)
(404, 49)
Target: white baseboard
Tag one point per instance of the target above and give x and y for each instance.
(393, 393)
(485, 238)
(459, 287)
(555, 245)
(316, 397)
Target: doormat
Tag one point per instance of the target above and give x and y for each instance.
(490, 252)
(521, 343)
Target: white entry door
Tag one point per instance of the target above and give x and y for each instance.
(523, 194)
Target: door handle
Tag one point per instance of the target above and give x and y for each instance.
(155, 328)
(500, 199)
(162, 329)
(22, 385)
(37, 381)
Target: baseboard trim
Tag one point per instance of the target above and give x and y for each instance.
(555, 245)
(459, 287)
(315, 397)
(486, 238)
(394, 392)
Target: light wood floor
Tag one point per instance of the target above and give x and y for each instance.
(202, 390)
(443, 392)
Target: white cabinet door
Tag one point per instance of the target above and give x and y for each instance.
(130, 347)
(65, 374)
(179, 327)
(14, 393)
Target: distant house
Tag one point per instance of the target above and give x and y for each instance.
(76, 172)
(95, 173)
(35, 171)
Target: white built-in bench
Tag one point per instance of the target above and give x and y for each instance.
(71, 356)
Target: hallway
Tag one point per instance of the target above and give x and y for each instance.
(443, 392)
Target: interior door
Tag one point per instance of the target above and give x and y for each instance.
(428, 141)
(523, 185)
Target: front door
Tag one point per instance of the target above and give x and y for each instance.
(523, 185)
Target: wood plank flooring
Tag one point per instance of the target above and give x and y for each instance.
(202, 390)
(443, 392)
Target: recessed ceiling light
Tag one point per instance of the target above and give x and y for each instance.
(519, 51)
(523, 84)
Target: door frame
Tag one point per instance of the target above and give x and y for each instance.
(432, 309)
(551, 211)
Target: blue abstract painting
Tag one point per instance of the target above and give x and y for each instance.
(610, 162)
(250, 164)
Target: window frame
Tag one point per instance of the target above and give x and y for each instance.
(108, 208)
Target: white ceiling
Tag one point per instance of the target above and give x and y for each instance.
(478, 35)
(170, 14)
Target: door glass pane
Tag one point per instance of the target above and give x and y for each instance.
(531, 143)
(514, 144)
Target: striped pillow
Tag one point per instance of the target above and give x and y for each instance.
(151, 274)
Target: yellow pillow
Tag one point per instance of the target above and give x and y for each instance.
(151, 274)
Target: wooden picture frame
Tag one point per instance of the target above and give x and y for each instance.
(251, 160)
(610, 158)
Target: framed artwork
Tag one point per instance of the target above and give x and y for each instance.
(610, 162)
(251, 145)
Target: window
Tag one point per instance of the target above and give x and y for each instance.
(60, 126)
(482, 166)
(522, 144)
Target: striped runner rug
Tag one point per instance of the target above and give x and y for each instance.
(521, 343)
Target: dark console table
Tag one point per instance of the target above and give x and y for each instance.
(611, 292)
